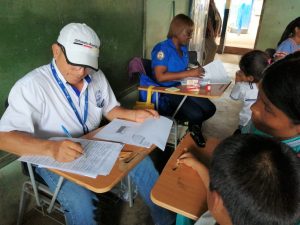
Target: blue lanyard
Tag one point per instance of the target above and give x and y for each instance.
(71, 103)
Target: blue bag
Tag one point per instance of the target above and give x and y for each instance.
(147, 81)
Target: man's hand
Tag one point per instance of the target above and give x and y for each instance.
(66, 150)
(137, 115)
(142, 114)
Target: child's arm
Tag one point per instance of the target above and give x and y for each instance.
(236, 92)
(190, 160)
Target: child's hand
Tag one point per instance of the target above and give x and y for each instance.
(239, 76)
(280, 55)
(188, 159)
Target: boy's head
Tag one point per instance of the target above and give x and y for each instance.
(252, 65)
(254, 180)
(277, 109)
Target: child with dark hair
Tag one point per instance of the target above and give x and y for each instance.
(252, 180)
(245, 89)
(277, 109)
(290, 40)
(275, 113)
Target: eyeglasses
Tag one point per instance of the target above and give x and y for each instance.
(189, 34)
(72, 65)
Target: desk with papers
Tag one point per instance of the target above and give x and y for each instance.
(180, 188)
(214, 72)
(120, 168)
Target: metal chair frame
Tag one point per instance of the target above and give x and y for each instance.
(43, 196)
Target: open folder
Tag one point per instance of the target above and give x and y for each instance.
(151, 131)
(98, 159)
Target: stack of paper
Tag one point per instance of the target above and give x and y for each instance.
(98, 159)
(215, 73)
(151, 131)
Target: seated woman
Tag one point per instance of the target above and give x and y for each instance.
(170, 65)
(290, 40)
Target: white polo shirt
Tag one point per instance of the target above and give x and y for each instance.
(247, 92)
(37, 104)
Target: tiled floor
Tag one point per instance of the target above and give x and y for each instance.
(118, 213)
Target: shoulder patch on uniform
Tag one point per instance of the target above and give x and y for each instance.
(160, 55)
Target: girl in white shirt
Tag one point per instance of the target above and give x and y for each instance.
(247, 77)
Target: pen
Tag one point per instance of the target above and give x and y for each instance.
(67, 133)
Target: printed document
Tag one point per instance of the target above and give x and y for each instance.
(215, 73)
(98, 159)
(151, 131)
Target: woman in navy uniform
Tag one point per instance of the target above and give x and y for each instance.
(169, 65)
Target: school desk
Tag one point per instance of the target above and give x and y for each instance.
(180, 188)
(102, 184)
(216, 91)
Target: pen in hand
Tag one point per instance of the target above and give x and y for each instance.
(67, 133)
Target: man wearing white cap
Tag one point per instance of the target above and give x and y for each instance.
(70, 91)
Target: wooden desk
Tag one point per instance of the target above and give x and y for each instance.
(216, 90)
(182, 190)
(105, 183)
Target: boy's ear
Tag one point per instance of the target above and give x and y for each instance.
(217, 201)
(218, 209)
(297, 126)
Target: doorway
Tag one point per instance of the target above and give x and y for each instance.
(242, 25)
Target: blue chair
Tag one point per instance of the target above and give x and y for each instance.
(142, 69)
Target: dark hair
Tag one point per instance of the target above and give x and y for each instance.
(289, 30)
(258, 179)
(281, 85)
(253, 64)
(180, 23)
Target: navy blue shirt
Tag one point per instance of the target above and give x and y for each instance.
(165, 54)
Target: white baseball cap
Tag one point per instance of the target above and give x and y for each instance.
(80, 44)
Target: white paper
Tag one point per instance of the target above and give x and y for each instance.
(151, 131)
(215, 73)
(98, 159)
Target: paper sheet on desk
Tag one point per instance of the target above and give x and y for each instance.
(98, 159)
(151, 131)
(216, 73)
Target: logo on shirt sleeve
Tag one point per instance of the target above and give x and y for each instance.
(99, 99)
(160, 55)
